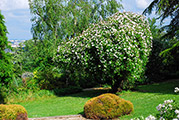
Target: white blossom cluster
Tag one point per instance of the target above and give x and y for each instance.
(176, 90)
(177, 112)
(165, 106)
(121, 43)
(150, 117)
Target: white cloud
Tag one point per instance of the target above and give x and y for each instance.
(13, 4)
(142, 4)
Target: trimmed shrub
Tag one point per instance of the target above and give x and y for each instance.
(13, 112)
(107, 106)
(115, 50)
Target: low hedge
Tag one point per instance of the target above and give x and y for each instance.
(13, 112)
(107, 106)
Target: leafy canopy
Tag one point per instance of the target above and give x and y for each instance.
(116, 49)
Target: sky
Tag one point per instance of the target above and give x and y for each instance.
(17, 16)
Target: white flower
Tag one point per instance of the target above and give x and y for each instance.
(176, 90)
(161, 112)
(175, 119)
(159, 107)
(177, 111)
(177, 116)
(150, 118)
(161, 118)
(170, 106)
(168, 101)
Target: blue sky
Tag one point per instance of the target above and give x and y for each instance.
(17, 15)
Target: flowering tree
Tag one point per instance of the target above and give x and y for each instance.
(116, 49)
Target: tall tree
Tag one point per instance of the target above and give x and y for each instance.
(6, 66)
(63, 19)
(165, 9)
(168, 9)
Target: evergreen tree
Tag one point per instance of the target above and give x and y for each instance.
(166, 9)
(6, 66)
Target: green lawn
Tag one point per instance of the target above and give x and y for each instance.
(145, 100)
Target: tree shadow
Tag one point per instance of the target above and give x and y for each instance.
(166, 87)
(86, 94)
(90, 93)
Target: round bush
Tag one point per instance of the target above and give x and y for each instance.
(116, 50)
(13, 112)
(107, 106)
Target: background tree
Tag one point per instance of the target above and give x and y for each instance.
(6, 66)
(166, 9)
(62, 19)
(155, 67)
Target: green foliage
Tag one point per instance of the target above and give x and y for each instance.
(19, 90)
(116, 50)
(170, 59)
(6, 66)
(34, 57)
(13, 112)
(49, 77)
(27, 95)
(171, 54)
(33, 54)
(107, 106)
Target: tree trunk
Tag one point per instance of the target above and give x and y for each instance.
(116, 85)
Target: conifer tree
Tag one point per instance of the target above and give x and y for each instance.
(6, 66)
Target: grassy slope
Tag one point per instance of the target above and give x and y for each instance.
(145, 100)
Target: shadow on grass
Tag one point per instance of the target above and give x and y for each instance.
(161, 88)
(88, 94)
(82, 114)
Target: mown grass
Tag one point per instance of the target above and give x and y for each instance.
(145, 100)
